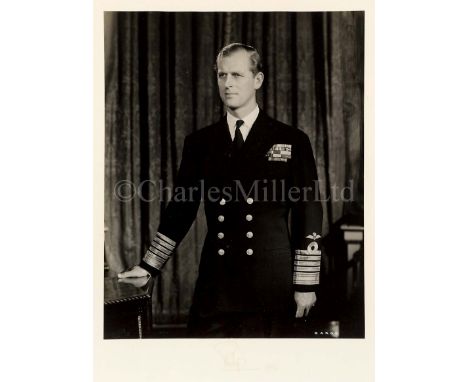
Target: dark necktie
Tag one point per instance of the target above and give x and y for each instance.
(238, 140)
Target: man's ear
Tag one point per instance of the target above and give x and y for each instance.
(259, 77)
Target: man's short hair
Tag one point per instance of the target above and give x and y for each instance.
(255, 59)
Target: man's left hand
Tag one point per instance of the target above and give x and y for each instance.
(304, 301)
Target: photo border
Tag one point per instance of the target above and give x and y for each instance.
(233, 359)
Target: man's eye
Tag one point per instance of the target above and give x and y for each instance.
(221, 75)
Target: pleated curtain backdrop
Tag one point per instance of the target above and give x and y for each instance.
(160, 86)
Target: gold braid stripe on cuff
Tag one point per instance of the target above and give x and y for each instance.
(160, 251)
(166, 239)
(153, 260)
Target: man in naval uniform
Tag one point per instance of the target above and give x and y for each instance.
(260, 262)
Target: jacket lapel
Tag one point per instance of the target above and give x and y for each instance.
(257, 138)
(223, 139)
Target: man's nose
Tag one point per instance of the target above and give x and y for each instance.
(228, 82)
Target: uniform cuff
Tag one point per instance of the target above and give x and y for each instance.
(306, 275)
(160, 251)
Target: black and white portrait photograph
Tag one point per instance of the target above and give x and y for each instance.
(234, 175)
(233, 192)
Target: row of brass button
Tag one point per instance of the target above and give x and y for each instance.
(223, 201)
(248, 234)
(249, 218)
(248, 252)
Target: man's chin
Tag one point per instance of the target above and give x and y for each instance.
(231, 105)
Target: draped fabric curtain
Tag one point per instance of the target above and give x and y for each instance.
(160, 86)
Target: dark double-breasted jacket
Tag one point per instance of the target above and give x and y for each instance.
(263, 212)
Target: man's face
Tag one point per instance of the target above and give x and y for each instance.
(236, 82)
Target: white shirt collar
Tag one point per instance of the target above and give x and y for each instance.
(246, 126)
